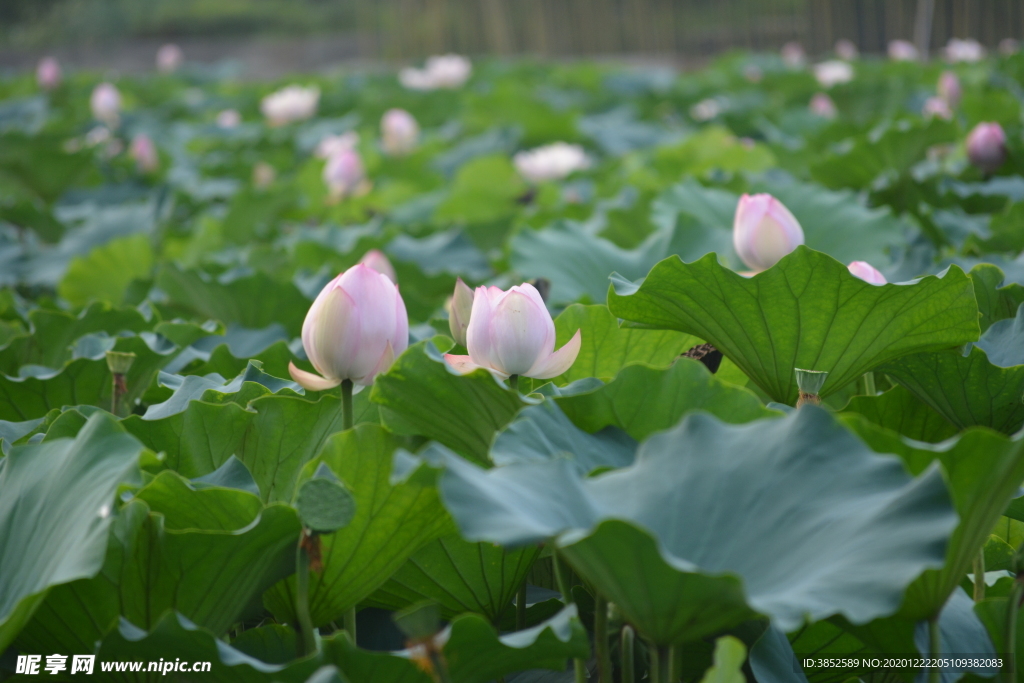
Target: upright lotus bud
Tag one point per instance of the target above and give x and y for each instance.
(986, 147)
(343, 173)
(376, 259)
(809, 383)
(354, 330)
(290, 104)
(169, 58)
(512, 333)
(793, 54)
(48, 73)
(764, 231)
(459, 312)
(846, 49)
(550, 162)
(936, 106)
(330, 145)
(949, 89)
(263, 175)
(105, 103)
(823, 106)
(902, 51)
(399, 131)
(229, 118)
(866, 272)
(143, 151)
(833, 72)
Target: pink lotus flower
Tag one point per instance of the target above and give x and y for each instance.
(793, 54)
(968, 50)
(354, 330)
(866, 272)
(399, 131)
(936, 106)
(764, 231)
(143, 151)
(263, 175)
(330, 145)
(460, 309)
(228, 118)
(169, 58)
(444, 71)
(105, 103)
(376, 259)
(902, 51)
(822, 105)
(847, 49)
(550, 162)
(48, 73)
(512, 333)
(344, 174)
(986, 147)
(290, 104)
(948, 88)
(833, 72)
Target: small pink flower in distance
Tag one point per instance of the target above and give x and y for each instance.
(948, 88)
(822, 105)
(902, 51)
(229, 118)
(168, 58)
(986, 147)
(866, 272)
(936, 106)
(48, 73)
(399, 132)
(764, 231)
(344, 173)
(793, 54)
(144, 152)
(512, 333)
(847, 49)
(105, 103)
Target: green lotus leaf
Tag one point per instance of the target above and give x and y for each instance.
(902, 412)
(808, 311)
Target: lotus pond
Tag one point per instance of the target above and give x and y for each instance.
(674, 436)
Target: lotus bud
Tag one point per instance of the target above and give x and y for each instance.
(229, 118)
(330, 145)
(459, 312)
(968, 50)
(169, 58)
(48, 73)
(810, 382)
(764, 231)
(447, 71)
(936, 106)
(290, 104)
(143, 151)
(866, 272)
(847, 49)
(399, 131)
(949, 89)
(833, 72)
(986, 147)
(902, 51)
(354, 330)
(105, 103)
(263, 175)
(823, 106)
(550, 162)
(793, 54)
(376, 259)
(343, 173)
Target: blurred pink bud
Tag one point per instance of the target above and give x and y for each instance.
(866, 272)
(949, 89)
(753, 73)
(290, 104)
(143, 151)
(169, 58)
(793, 54)
(399, 131)
(376, 259)
(550, 162)
(764, 231)
(263, 175)
(822, 105)
(330, 145)
(847, 49)
(460, 310)
(343, 173)
(444, 71)
(936, 106)
(354, 330)
(229, 118)
(968, 50)
(512, 333)
(902, 51)
(833, 72)
(48, 73)
(105, 103)
(986, 147)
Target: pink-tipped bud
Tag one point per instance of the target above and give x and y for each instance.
(343, 173)
(866, 272)
(168, 58)
(105, 103)
(229, 118)
(764, 231)
(399, 131)
(330, 145)
(902, 51)
(986, 147)
(823, 106)
(793, 54)
(144, 152)
(847, 49)
(459, 311)
(48, 73)
(948, 88)
(936, 106)
(376, 259)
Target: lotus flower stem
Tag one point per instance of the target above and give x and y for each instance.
(307, 643)
(1010, 630)
(662, 663)
(628, 637)
(604, 654)
(350, 624)
(521, 607)
(579, 666)
(513, 381)
(346, 404)
(869, 384)
(934, 649)
(979, 576)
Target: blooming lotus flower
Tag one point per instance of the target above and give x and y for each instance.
(447, 71)
(263, 175)
(460, 310)
(968, 50)
(822, 105)
(376, 259)
(229, 118)
(169, 58)
(105, 103)
(764, 231)
(986, 147)
(793, 54)
(143, 151)
(846, 49)
(949, 89)
(354, 330)
(936, 106)
(335, 144)
(550, 162)
(48, 73)
(399, 131)
(902, 51)
(833, 72)
(866, 272)
(344, 174)
(512, 333)
(290, 104)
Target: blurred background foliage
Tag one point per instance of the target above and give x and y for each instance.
(93, 31)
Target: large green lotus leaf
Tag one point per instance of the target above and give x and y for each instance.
(484, 190)
(215, 389)
(86, 380)
(56, 505)
(1003, 342)
(422, 395)
(106, 271)
(808, 311)
(643, 400)
(460, 577)
(606, 348)
(473, 651)
(902, 412)
(396, 514)
(852, 531)
(273, 435)
(983, 471)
